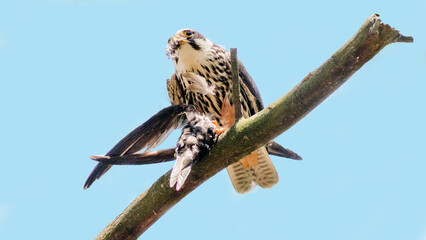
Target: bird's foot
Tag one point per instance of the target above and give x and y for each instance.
(218, 130)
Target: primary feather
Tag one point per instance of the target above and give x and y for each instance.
(148, 135)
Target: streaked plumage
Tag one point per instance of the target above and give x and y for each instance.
(201, 82)
(192, 53)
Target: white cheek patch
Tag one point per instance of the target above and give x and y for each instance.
(189, 58)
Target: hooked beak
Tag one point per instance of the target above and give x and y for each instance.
(176, 42)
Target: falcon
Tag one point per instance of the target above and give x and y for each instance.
(202, 78)
(201, 84)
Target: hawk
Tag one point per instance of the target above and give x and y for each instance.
(203, 78)
(202, 82)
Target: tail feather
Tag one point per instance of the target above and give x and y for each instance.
(240, 177)
(265, 174)
(278, 150)
(181, 169)
(180, 177)
(246, 173)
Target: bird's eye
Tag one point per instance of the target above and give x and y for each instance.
(187, 33)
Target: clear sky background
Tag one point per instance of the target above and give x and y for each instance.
(77, 76)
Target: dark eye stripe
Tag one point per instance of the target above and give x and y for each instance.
(194, 45)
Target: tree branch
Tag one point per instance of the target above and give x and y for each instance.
(245, 136)
(235, 85)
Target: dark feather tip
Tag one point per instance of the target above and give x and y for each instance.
(99, 157)
(278, 150)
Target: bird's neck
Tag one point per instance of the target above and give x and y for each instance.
(189, 59)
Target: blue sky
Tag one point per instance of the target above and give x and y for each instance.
(77, 76)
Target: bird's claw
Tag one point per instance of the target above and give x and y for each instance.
(219, 130)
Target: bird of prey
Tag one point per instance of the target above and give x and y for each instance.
(203, 78)
(201, 83)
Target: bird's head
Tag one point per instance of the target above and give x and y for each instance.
(187, 42)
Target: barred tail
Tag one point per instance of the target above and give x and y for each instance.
(247, 172)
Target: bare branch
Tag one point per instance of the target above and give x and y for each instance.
(235, 85)
(403, 39)
(249, 134)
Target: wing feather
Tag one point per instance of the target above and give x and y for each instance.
(148, 135)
